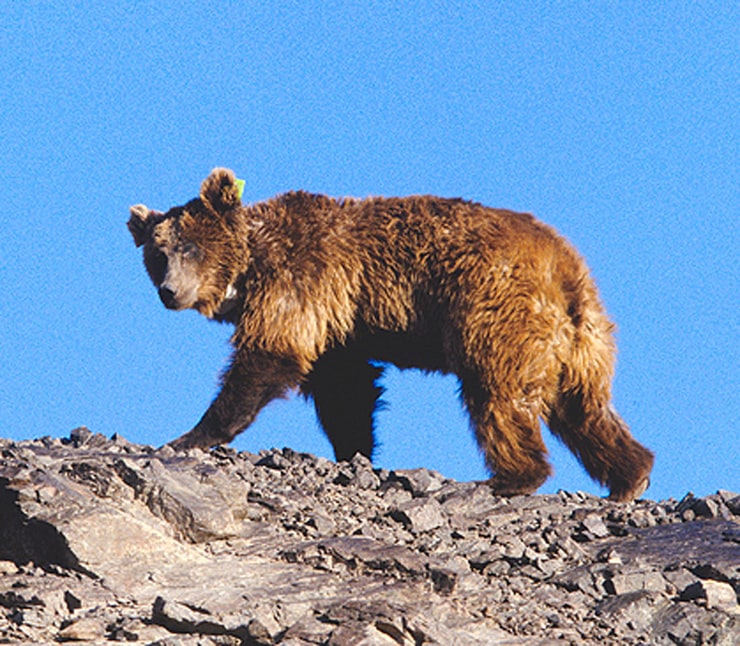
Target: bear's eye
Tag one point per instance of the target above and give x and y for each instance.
(156, 263)
(191, 251)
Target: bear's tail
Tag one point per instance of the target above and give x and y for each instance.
(582, 415)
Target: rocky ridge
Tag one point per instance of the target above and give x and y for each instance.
(105, 541)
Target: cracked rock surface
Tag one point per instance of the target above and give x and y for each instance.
(104, 541)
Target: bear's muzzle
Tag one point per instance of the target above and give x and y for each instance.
(167, 296)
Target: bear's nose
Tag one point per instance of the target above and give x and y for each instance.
(167, 296)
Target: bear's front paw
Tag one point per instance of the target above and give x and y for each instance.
(193, 440)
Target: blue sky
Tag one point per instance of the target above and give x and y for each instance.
(616, 122)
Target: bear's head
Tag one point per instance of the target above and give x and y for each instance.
(192, 252)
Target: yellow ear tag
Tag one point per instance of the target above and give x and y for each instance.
(239, 187)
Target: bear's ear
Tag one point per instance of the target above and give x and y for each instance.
(137, 223)
(220, 190)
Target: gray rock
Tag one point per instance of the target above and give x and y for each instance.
(594, 526)
(717, 594)
(635, 581)
(633, 611)
(418, 481)
(106, 541)
(419, 515)
(688, 624)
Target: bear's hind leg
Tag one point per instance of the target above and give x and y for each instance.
(509, 435)
(601, 440)
(345, 394)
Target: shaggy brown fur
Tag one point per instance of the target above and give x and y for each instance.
(318, 288)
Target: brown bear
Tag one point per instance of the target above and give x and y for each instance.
(323, 291)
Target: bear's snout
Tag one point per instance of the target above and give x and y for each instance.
(167, 296)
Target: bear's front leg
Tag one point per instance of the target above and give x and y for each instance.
(252, 380)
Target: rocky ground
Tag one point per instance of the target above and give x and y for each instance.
(105, 541)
